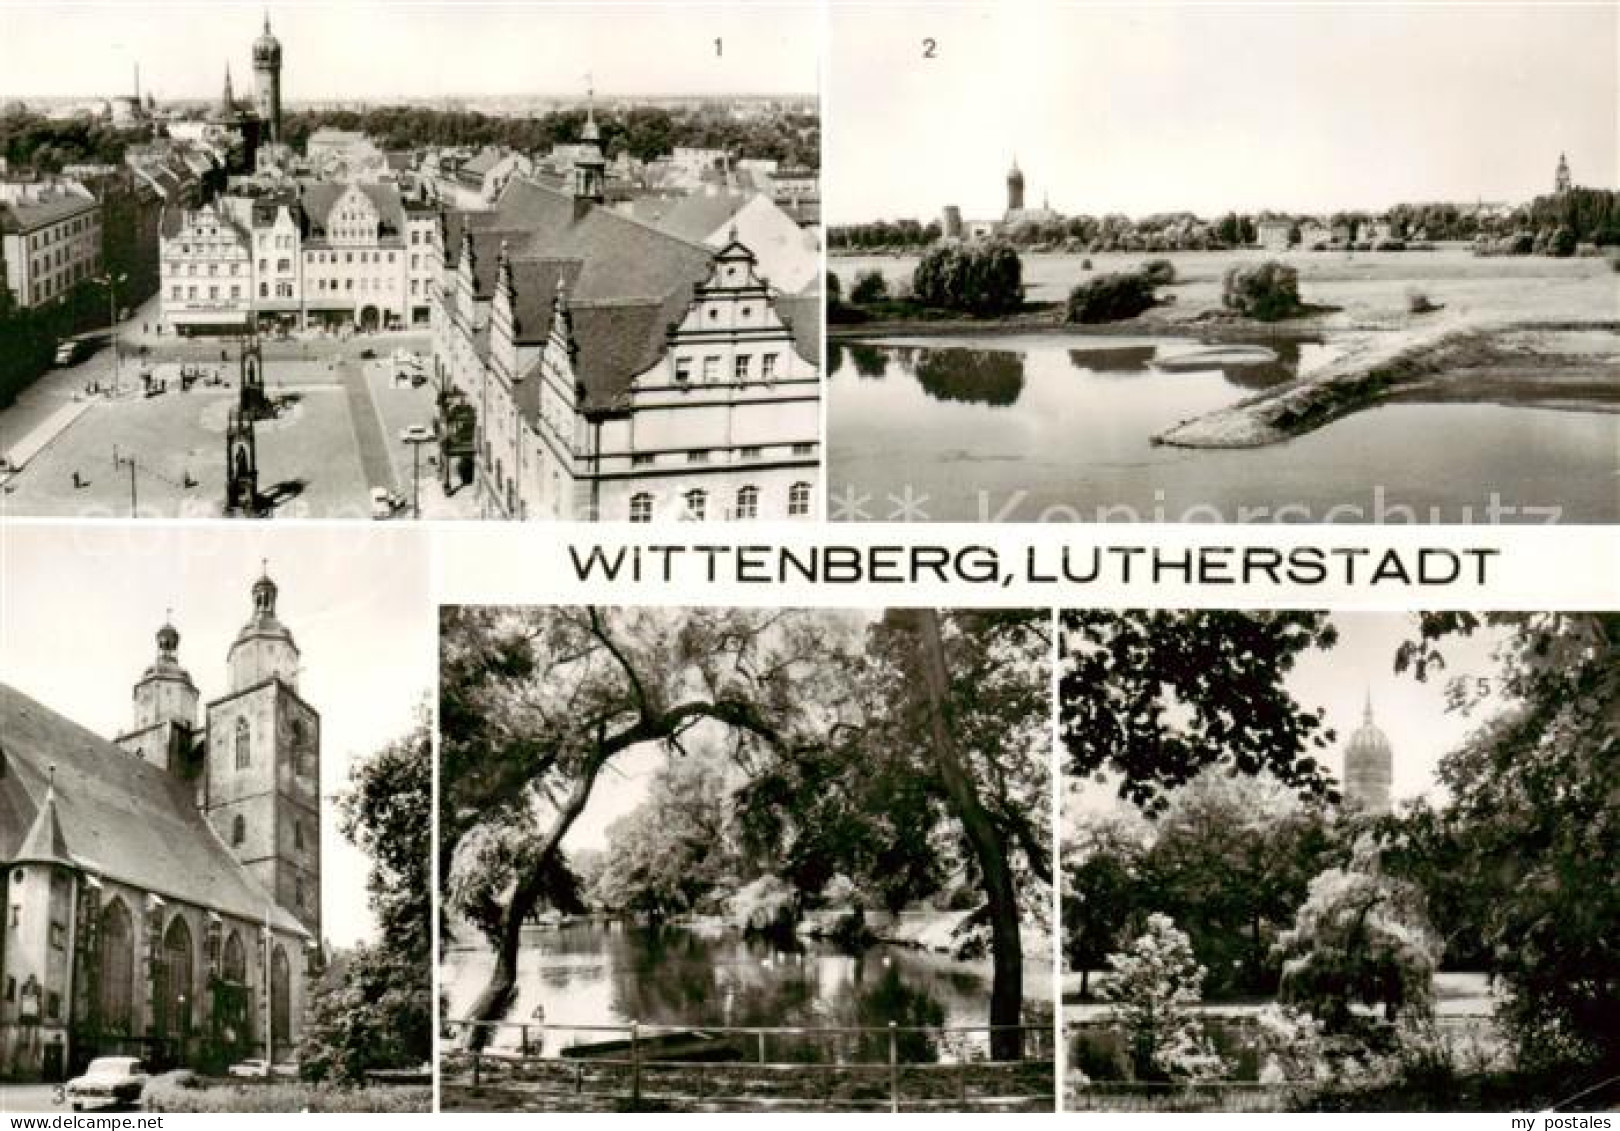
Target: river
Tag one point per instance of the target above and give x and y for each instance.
(1056, 427)
(595, 974)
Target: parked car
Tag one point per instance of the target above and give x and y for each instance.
(287, 1068)
(382, 503)
(416, 434)
(108, 1080)
(70, 351)
(250, 1069)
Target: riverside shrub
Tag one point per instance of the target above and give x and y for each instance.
(1267, 292)
(1111, 297)
(981, 278)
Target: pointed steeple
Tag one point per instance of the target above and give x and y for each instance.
(45, 843)
(227, 98)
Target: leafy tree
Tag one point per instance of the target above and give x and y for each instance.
(870, 286)
(672, 852)
(1361, 938)
(1268, 292)
(1111, 297)
(980, 278)
(536, 704)
(374, 1008)
(1101, 892)
(1534, 817)
(1154, 982)
(1159, 697)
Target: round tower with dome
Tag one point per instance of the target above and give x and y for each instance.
(267, 76)
(1368, 766)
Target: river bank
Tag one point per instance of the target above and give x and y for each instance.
(1534, 332)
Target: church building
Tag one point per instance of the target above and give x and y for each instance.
(1368, 766)
(162, 889)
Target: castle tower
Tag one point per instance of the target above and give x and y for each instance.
(267, 81)
(263, 764)
(1015, 187)
(1561, 177)
(1368, 766)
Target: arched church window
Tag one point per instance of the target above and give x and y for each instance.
(238, 830)
(117, 967)
(243, 745)
(280, 1000)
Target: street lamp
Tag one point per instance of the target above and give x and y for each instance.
(416, 439)
(111, 281)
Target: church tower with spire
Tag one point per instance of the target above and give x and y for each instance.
(261, 789)
(1561, 182)
(164, 725)
(1368, 766)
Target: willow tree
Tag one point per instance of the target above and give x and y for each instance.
(536, 704)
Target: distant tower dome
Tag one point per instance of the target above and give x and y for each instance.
(1561, 182)
(264, 648)
(1015, 187)
(267, 48)
(1368, 765)
(165, 692)
(267, 81)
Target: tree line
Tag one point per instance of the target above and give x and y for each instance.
(793, 139)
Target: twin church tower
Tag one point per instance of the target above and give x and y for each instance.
(254, 760)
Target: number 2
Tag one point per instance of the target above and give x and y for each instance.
(930, 46)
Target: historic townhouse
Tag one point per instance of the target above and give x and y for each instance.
(51, 239)
(321, 255)
(595, 367)
(162, 891)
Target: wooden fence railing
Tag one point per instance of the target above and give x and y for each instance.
(643, 1070)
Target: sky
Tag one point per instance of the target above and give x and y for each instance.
(1215, 108)
(369, 51)
(1413, 715)
(80, 607)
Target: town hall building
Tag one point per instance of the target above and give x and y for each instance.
(595, 367)
(162, 889)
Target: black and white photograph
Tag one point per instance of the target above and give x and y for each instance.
(1233, 263)
(1349, 862)
(699, 859)
(215, 819)
(427, 260)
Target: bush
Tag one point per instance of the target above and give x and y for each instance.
(1418, 303)
(1562, 242)
(1155, 983)
(983, 278)
(1266, 292)
(1109, 298)
(163, 1094)
(870, 286)
(1159, 272)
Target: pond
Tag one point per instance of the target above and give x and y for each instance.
(595, 974)
(1028, 428)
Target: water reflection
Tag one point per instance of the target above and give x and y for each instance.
(603, 974)
(1069, 439)
(971, 376)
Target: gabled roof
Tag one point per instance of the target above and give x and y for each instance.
(695, 217)
(120, 817)
(321, 196)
